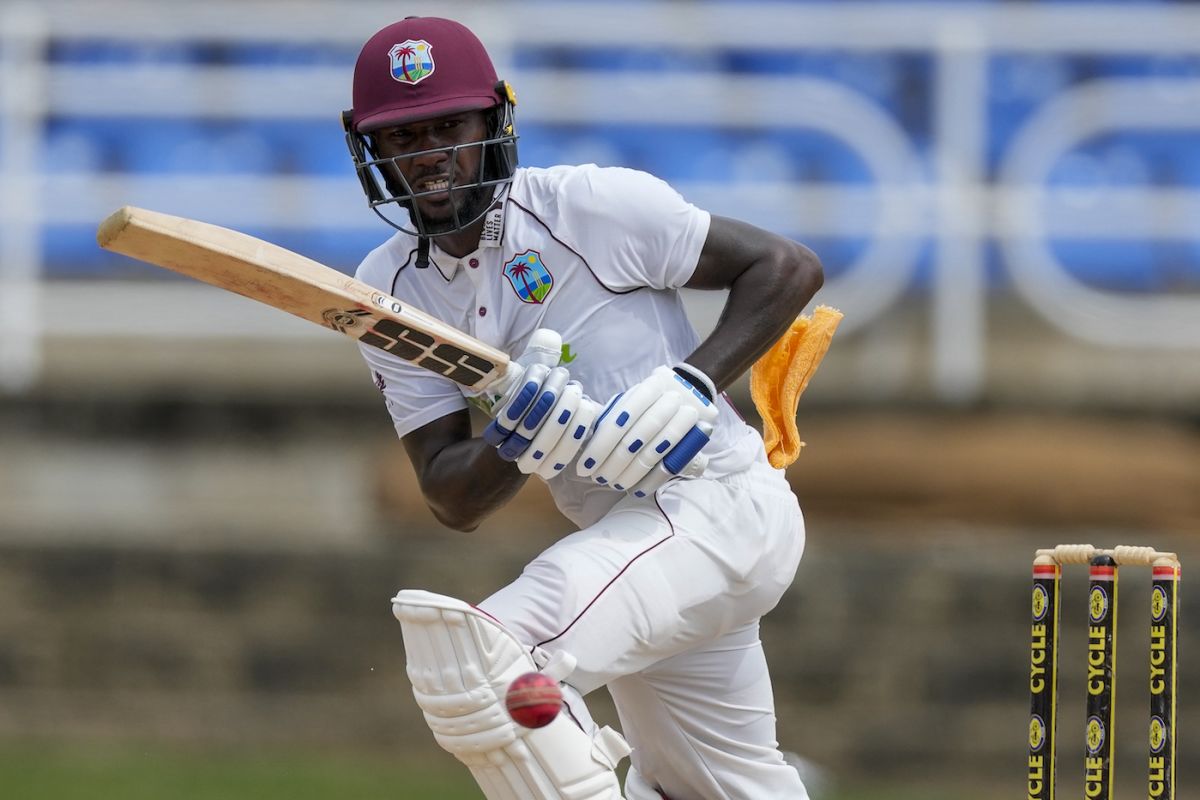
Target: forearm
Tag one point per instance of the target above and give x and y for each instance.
(467, 481)
(763, 302)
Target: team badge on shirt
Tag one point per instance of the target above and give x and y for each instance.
(529, 277)
(412, 61)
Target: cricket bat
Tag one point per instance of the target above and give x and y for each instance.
(251, 267)
(288, 281)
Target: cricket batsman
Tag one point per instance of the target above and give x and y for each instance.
(576, 271)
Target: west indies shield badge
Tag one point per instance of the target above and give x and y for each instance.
(529, 277)
(412, 61)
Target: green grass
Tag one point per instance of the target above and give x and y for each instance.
(159, 773)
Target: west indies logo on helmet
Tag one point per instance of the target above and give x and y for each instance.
(398, 80)
(412, 62)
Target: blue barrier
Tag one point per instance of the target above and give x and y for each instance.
(1018, 86)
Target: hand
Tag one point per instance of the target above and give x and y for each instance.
(541, 417)
(563, 432)
(664, 421)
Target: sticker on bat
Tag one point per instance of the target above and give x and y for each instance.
(343, 320)
(387, 303)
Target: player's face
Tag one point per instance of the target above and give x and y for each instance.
(423, 154)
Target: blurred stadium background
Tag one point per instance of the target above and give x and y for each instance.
(203, 512)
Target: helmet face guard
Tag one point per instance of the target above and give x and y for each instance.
(384, 183)
(425, 68)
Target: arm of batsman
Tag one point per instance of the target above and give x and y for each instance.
(540, 417)
(649, 434)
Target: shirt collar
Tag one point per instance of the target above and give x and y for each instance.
(445, 263)
(493, 234)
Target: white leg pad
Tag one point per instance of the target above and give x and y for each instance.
(461, 662)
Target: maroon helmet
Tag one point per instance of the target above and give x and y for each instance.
(417, 69)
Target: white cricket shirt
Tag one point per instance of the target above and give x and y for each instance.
(596, 254)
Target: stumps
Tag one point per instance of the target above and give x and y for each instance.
(1101, 666)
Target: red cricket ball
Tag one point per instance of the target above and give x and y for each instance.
(533, 700)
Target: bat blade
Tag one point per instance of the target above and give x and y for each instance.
(251, 267)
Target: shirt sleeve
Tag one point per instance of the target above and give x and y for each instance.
(414, 397)
(633, 229)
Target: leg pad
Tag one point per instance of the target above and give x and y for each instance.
(461, 662)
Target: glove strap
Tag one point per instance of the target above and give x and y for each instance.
(697, 378)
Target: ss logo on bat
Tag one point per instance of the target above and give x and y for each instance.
(425, 351)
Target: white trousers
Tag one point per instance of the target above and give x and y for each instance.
(660, 601)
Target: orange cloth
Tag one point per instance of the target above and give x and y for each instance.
(779, 378)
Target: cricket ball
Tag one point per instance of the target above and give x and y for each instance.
(533, 700)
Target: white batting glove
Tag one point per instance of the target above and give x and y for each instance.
(541, 418)
(662, 473)
(562, 434)
(544, 347)
(664, 421)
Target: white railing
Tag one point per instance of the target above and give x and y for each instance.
(947, 200)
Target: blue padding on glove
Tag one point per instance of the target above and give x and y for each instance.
(516, 409)
(692, 443)
(495, 433)
(513, 447)
(539, 410)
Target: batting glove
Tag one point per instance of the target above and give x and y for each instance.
(541, 417)
(650, 433)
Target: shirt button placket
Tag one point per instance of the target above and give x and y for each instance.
(486, 320)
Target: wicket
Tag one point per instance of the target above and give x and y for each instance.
(1101, 667)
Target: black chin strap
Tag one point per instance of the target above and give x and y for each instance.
(422, 252)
